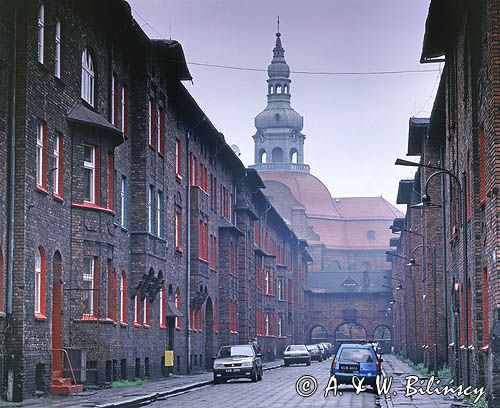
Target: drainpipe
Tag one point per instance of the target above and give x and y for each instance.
(188, 244)
(12, 161)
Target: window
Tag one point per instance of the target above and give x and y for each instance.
(280, 296)
(57, 165)
(88, 77)
(90, 177)
(482, 166)
(370, 235)
(90, 295)
(160, 214)
(268, 328)
(40, 274)
(41, 155)
(41, 33)
(114, 100)
(178, 240)
(111, 292)
(123, 199)
(151, 206)
(268, 283)
(216, 318)
(145, 311)
(111, 181)
(57, 68)
(163, 306)
(124, 105)
(178, 306)
(280, 326)
(486, 311)
(200, 319)
(137, 311)
(152, 121)
(160, 123)
(191, 318)
(123, 298)
(178, 157)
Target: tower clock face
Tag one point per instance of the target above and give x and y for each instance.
(262, 137)
(294, 136)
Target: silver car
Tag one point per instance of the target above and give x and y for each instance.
(238, 361)
(297, 353)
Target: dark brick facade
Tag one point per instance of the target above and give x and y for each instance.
(141, 232)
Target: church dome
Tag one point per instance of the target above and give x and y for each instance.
(278, 69)
(279, 117)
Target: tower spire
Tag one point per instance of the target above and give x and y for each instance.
(278, 24)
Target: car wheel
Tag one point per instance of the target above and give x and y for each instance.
(259, 376)
(287, 363)
(254, 376)
(217, 380)
(320, 359)
(308, 363)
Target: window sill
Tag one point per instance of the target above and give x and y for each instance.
(213, 270)
(94, 207)
(146, 326)
(178, 328)
(41, 190)
(179, 251)
(163, 327)
(161, 154)
(203, 260)
(137, 325)
(40, 317)
(178, 178)
(123, 324)
(485, 349)
(57, 197)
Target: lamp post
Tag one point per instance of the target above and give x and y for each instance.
(427, 203)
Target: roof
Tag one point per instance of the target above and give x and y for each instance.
(82, 115)
(171, 56)
(369, 208)
(349, 282)
(417, 131)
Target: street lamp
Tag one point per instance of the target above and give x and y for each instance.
(427, 203)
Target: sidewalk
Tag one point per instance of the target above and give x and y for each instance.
(131, 396)
(395, 368)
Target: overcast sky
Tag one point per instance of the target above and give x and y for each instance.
(355, 125)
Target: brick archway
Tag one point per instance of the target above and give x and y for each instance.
(317, 334)
(350, 331)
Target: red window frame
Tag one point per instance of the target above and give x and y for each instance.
(178, 157)
(43, 186)
(178, 231)
(486, 311)
(152, 124)
(161, 133)
(111, 181)
(123, 299)
(111, 310)
(191, 318)
(200, 319)
(60, 162)
(146, 322)
(137, 310)
(163, 307)
(41, 314)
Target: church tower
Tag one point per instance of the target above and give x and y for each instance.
(279, 141)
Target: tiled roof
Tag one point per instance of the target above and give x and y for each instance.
(377, 208)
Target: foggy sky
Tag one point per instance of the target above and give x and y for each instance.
(355, 126)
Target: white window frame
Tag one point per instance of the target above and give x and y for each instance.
(55, 165)
(89, 277)
(280, 327)
(122, 298)
(279, 290)
(38, 281)
(90, 166)
(162, 311)
(151, 199)
(267, 276)
(157, 129)
(150, 113)
(123, 202)
(88, 77)
(136, 310)
(41, 33)
(145, 311)
(113, 99)
(178, 218)
(159, 214)
(57, 61)
(40, 149)
(267, 320)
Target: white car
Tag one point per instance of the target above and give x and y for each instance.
(297, 354)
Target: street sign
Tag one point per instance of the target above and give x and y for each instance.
(169, 358)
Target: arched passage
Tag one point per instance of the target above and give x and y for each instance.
(318, 334)
(262, 156)
(277, 155)
(293, 155)
(383, 336)
(209, 333)
(350, 332)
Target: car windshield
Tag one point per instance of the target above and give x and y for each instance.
(358, 355)
(295, 348)
(313, 347)
(236, 351)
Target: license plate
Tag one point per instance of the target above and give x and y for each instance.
(232, 370)
(349, 368)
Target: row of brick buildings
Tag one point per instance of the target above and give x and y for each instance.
(461, 138)
(128, 226)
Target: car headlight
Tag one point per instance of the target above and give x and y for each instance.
(247, 364)
(218, 365)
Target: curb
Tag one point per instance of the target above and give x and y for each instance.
(150, 398)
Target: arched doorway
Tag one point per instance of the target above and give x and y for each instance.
(277, 155)
(57, 323)
(209, 334)
(318, 335)
(350, 332)
(382, 335)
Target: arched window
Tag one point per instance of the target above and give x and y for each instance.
(270, 89)
(88, 77)
(277, 155)
(278, 88)
(293, 156)
(370, 235)
(40, 274)
(123, 298)
(178, 306)
(41, 33)
(285, 89)
(262, 156)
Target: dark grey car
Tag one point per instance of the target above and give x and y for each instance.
(238, 361)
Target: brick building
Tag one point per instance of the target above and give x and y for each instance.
(135, 227)
(349, 285)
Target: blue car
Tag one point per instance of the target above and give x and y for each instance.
(358, 360)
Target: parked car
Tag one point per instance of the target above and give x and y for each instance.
(323, 350)
(328, 349)
(315, 352)
(297, 354)
(238, 361)
(358, 360)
